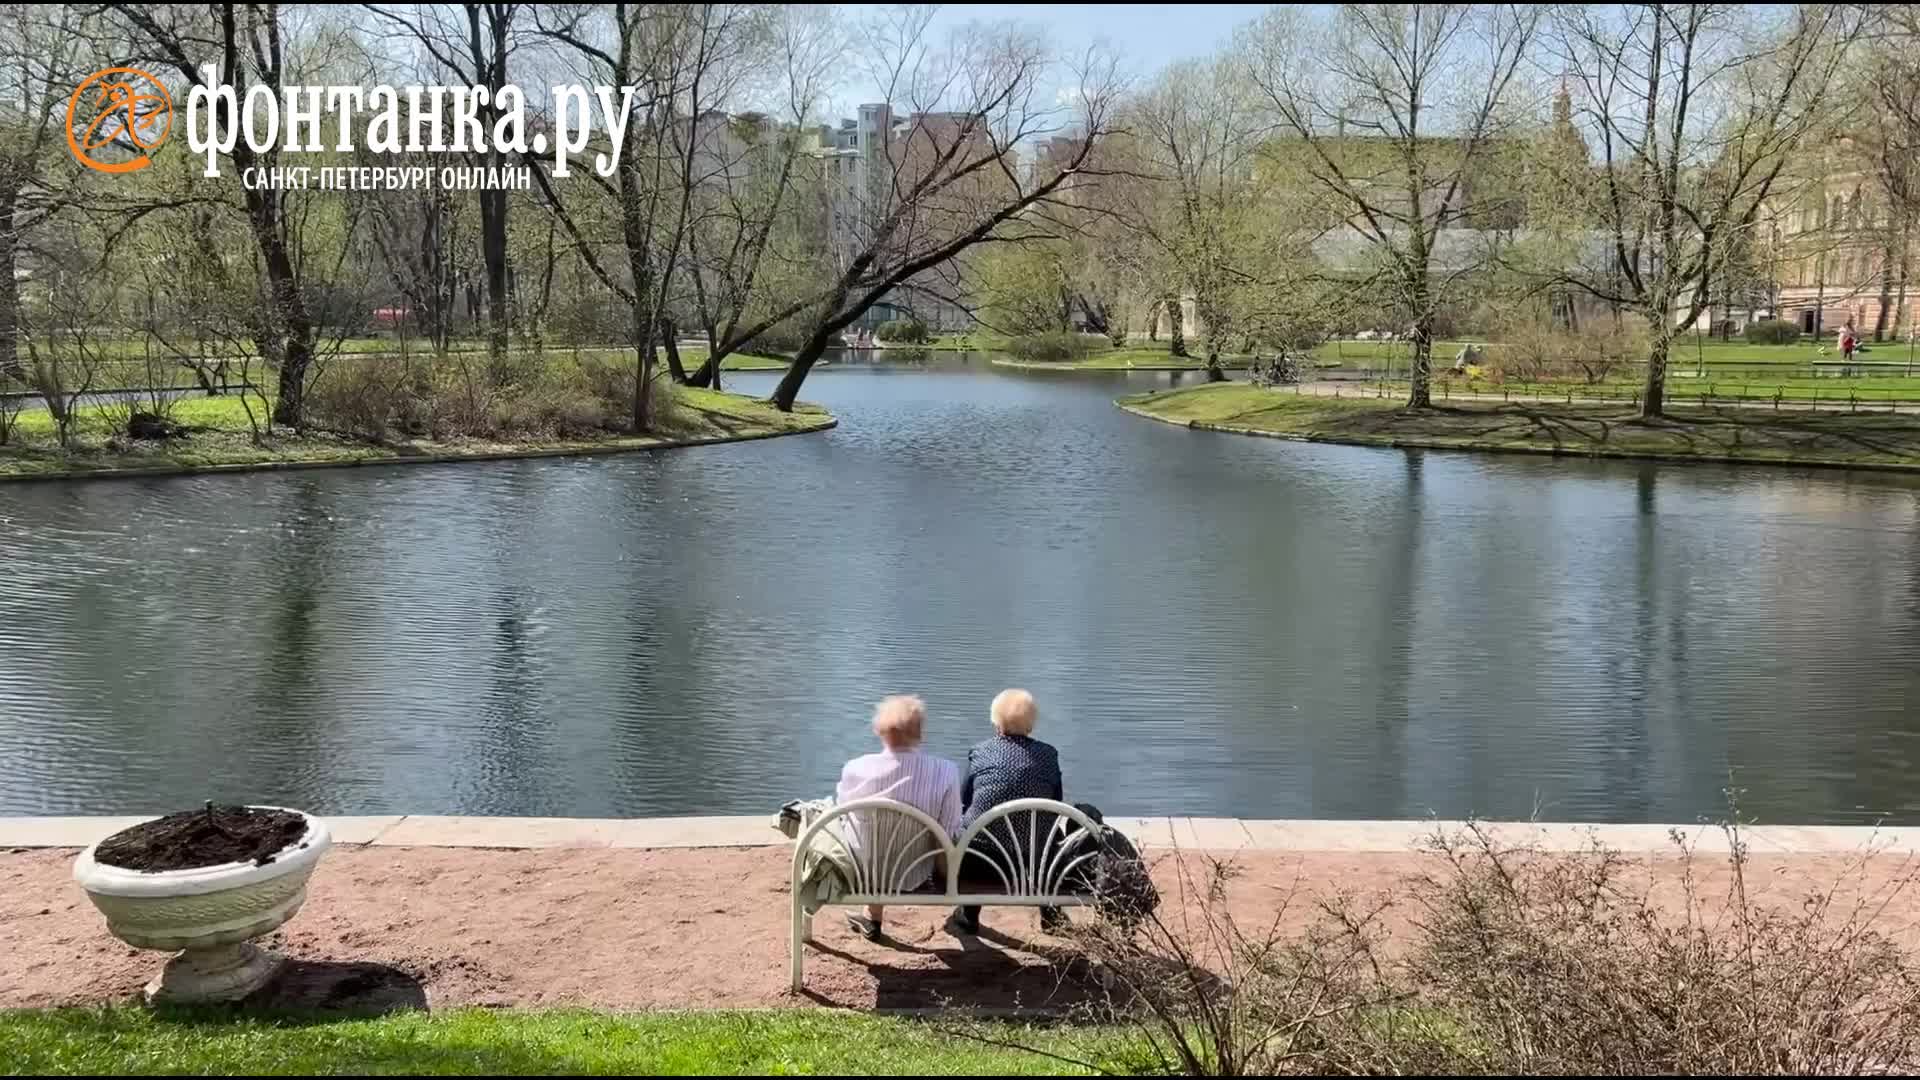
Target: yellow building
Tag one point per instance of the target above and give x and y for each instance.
(1836, 252)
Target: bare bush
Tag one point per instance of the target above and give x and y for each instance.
(1208, 994)
(542, 396)
(1570, 963)
(1532, 350)
(1506, 958)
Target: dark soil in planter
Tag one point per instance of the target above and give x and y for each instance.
(211, 836)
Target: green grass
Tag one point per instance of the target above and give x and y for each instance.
(126, 1040)
(226, 438)
(1744, 434)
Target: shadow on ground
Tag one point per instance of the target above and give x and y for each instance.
(330, 989)
(992, 974)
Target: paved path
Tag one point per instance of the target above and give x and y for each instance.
(1230, 834)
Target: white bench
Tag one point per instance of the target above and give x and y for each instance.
(883, 845)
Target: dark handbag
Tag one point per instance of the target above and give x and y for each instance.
(1116, 877)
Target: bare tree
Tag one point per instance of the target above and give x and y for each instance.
(1698, 111)
(473, 43)
(753, 189)
(41, 53)
(1197, 134)
(249, 43)
(1892, 139)
(682, 62)
(1391, 111)
(62, 330)
(949, 175)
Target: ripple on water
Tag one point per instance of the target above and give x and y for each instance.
(1213, 625)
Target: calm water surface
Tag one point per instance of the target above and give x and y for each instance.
(1213, 625)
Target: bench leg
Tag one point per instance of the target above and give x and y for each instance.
(800, 935)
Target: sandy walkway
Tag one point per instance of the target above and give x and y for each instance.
(668, 927)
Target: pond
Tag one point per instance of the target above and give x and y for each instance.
(1213, 625)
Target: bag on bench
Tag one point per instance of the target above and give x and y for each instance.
(1116, 877)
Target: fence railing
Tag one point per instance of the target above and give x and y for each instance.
(1853, 399)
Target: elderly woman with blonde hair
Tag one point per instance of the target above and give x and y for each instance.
(1011, 765)
(904, 773)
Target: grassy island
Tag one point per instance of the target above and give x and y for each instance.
(1771, 436)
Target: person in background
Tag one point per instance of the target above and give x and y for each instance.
(1848, 342)
(1011, 765)
(900, 771)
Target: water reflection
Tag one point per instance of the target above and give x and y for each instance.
(1214, 625)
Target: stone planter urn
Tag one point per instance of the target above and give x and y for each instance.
(208, 914)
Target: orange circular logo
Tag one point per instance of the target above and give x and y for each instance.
(118, 106)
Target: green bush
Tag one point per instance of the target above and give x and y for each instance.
(903, 332)
(1773, 332)
(1054, 347)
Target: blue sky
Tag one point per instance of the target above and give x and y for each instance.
(1148, 36)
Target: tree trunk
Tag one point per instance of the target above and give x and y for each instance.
(1820, 300)
(1420, 368)
(1886, 294)
(1653, 402)
(1153, 321)
(288, 328)
(1177, 331)
(643, 375)
(493, 226)
(290, 408)
(10, 366)
(785, 394)
(707, 374)
(1902, 319)
(668, 334)
(1215, 332)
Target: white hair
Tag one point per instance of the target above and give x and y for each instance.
(899, 720)
(1014, 712)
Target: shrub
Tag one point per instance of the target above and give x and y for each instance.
(1056, 346)
(547, 396)
(1567, 963)
(1773, 332)
(903, 331)
(368, 398)
(607, 378)
(1518, 961)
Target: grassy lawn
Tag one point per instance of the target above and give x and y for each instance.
(1760, 435)
(735, 361)
(222, 436)
(127, 1040)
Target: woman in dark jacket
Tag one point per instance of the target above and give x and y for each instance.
(1011, 765)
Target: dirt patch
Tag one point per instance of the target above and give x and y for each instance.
(698, 928)
(211, 836)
